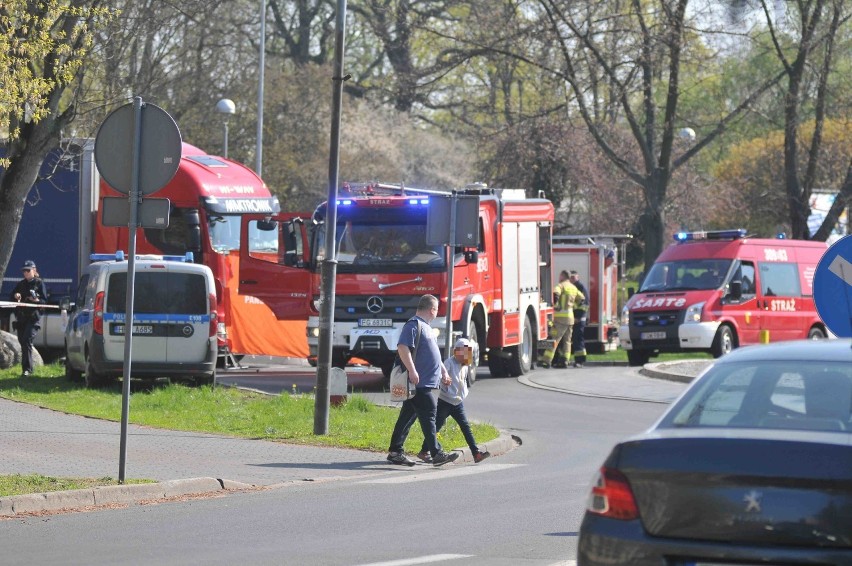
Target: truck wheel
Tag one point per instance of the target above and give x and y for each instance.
(496, 364)
(72, 374)
(339, 360)
(522, 354)
(637, 357)
(473, 336)
(816, 333)
(724, 342)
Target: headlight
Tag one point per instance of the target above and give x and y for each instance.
(693, 313)
(625, 316)
(313, 332)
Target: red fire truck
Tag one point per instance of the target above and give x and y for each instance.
(714, 291)
(501, 288)
(208, 196)
(596, 260)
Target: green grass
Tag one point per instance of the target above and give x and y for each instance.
(621, 356)
(356, 423)
(17, 484)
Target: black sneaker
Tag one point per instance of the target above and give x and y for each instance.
(442, 458)
(559, 365)
(425, 457)
(400, 459)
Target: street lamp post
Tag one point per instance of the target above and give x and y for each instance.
(227, 108)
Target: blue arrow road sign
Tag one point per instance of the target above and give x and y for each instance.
(833, 287)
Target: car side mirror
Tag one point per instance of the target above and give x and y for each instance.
(471, 256)
(66, 304)
(735, 289)
(630, 292)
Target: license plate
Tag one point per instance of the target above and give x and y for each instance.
(375, 322)
(138, 329)
(653, 336)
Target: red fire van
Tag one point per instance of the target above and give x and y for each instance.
(715, 291)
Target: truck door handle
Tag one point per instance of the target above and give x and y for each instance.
(248, 282)
(466, 280)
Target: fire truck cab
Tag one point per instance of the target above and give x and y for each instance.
(715, 291)
(501, 287)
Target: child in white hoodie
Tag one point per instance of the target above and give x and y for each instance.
(451, 398)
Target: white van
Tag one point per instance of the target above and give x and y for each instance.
(174, 321)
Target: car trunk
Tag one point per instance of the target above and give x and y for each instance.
(743, 490)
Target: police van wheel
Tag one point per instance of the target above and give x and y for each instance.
(724, 341)
(93, 378)
(72, 374)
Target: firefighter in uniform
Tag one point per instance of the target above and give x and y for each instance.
(578, 332)
(565, 296)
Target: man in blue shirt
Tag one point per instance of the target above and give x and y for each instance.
(419, 352)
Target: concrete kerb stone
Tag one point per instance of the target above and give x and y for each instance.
(500, 445)
(683, 371)
(114, 494)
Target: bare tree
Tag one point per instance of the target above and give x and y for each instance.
(808, 60)
(632, 55)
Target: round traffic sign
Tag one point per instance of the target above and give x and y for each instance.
(159, 148)
(833, 287)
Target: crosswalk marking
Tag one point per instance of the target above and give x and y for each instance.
(442, 474)
(420, 560)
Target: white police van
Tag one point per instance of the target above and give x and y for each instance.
(174, 320)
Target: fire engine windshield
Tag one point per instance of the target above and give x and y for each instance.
(387, 246)
(687, 275)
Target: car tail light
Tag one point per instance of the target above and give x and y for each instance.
(98, 320)
(214, 316)
(612, 497)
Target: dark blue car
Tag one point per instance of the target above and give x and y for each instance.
(751, 465)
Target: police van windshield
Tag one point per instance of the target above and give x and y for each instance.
(687, 275)
(368, 246)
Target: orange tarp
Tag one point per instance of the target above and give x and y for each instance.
(253, 329)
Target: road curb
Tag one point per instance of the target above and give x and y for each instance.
(501, 445)
(113, 494)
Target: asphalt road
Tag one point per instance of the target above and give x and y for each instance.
(523, 507)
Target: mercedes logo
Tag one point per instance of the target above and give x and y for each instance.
(375, 304)
(188, 330)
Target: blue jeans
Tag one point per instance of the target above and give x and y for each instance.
(457, 412)
(421, 407)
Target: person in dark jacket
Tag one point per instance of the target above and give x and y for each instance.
(30, 290)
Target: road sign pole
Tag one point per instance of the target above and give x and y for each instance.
(133, 201)
(451, 264)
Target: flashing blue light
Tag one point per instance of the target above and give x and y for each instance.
(424, 201)
(344, 202)
(350, 310)
(398, 310)
(781, 236)
(412, 201)
(735, 234)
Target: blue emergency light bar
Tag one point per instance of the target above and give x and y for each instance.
(119, 256)
(735, 234)
(418, 201)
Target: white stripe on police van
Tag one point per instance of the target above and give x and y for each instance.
(443, 474)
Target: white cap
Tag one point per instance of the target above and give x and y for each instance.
(462, 342)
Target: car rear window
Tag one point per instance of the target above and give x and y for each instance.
(159, 293)
(802, 396)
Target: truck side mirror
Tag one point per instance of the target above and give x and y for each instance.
(735, 290)
(471, 256)
(267, 225)
(193, 222)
